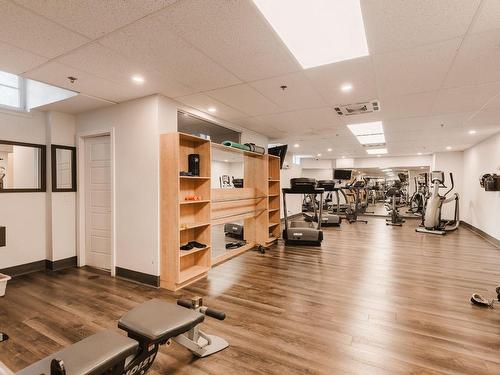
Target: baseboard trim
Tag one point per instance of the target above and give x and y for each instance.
(140, 277)
(494, 241)
(56, 265)
(24, 269)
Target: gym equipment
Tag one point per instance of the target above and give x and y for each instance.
(148, 326)
(234, 230)
(479, 300)
(431, 219)
(299, 232)
(394, 203)
(279, 151)
(417, 200)
(352, 212)
(194, 164)
(329, 217)
(238, 183)
(245, 147)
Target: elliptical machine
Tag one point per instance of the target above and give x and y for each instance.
(432, 221)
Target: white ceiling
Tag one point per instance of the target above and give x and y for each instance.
(434, 65)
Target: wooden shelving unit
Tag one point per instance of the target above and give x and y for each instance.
(274, 189)
(257, 204)
(183, 220)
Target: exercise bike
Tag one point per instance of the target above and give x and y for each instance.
(417, 200)
(432, 221)
(393, 204)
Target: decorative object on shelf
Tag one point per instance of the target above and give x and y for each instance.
(184, 173)
(246, 147)
(193, 244)
(194, 164)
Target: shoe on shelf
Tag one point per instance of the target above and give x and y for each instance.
(197, 244)
(187, 246)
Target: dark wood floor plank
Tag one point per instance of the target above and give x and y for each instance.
(372, 300)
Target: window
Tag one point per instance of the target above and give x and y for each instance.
(11, 91)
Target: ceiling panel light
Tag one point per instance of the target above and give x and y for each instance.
(318, 32)
(138, 79)
(387, 170)
(472, 132)
(346, 87)
(448, 147)
(296, 145)
(419, 153)
(366, 128)
(371, 139)
(374, 151)
(329, 150)
(212, 110)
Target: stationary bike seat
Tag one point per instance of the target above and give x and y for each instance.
(159, 321)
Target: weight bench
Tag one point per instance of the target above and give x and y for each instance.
(148, 326)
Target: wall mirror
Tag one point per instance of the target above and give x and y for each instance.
(22, 167)
(227, 237)
(63, 168)
(227, 169)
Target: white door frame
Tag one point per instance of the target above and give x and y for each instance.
(80, 196)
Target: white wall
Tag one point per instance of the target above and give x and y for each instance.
(23, 213)
(481, 208)
(61, 129)
(393, 161)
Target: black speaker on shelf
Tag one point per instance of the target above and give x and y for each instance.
(194, 164)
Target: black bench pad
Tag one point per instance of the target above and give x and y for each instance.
(159, 320)
(90, 356)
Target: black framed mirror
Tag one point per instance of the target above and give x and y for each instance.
(22, 167)
(63, 160)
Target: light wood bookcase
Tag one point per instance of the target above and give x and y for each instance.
(257, 204)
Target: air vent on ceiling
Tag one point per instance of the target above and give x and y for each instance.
(357, 108)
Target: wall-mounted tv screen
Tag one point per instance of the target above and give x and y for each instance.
(279, 151)
(342, 174)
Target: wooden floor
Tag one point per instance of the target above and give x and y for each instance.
(372, 300)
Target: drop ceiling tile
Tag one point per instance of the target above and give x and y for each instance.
(202, 102)
(56, 74)
(466, 98)
(107, 64)
(299, 93)
(403, 106)
(327, 80)
(302, 121)
(477, 60)
(393, 25)
(488, 17)
(21, 28)
(76, 104)
(486, 120)
(150, 42)
(15, 60)
(417, 70)
(245, 99)
(94, 18)
(234, 34)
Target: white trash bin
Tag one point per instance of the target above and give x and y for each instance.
(3, 283)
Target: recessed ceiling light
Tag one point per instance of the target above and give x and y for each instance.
(448, 147)
(375, 151)
(366, 128)
(371, 139)
(343, 157)
(472, 132)
(379, 156)
(318, 155)
(296, 145)
(346, 87)
(226, 160)
(329, 150)
(212, 109)
(310, 29)
(419, 153)
(387, 170)
(136, 78)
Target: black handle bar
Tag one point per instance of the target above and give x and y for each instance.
(219, 315)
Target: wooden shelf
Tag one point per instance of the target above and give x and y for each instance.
(193, 178)
(237, 150)
(193, 225)
(273, 195)
(193, 271)
(193, 202)
(271, 180)
(273, 224)
(271, 239)
(184, 253)
(273, 210)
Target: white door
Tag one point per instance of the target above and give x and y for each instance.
(98, 202)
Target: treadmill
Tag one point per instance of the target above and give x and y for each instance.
(301, 232)
(329, 218)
